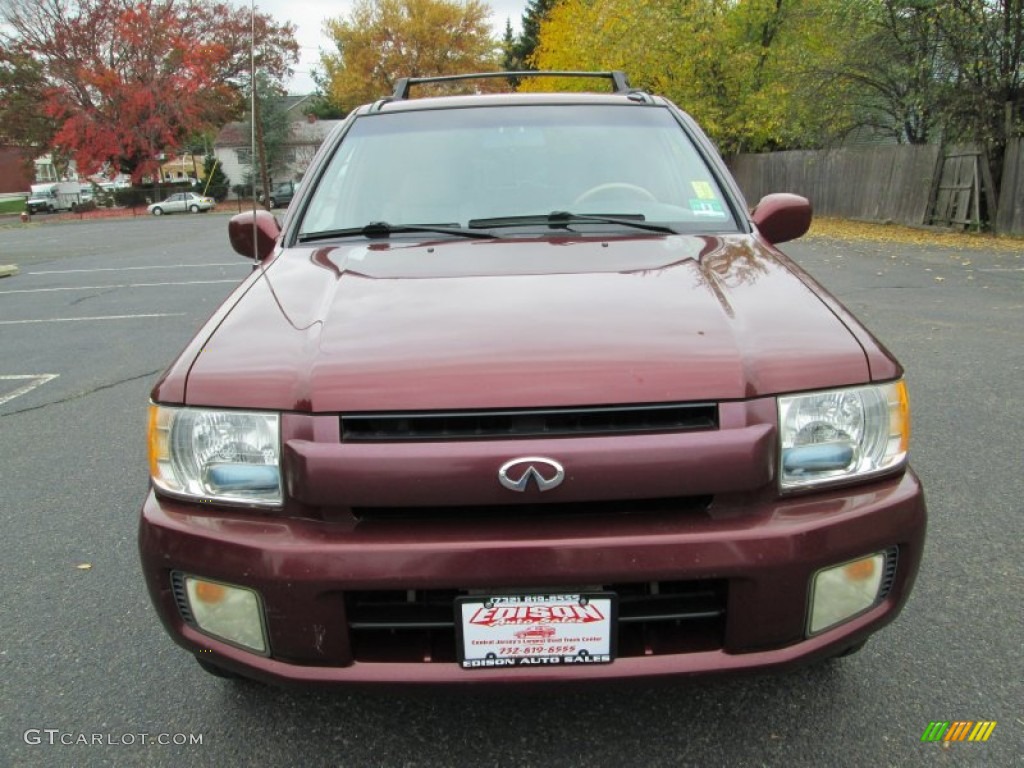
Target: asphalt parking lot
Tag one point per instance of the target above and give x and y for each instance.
(99, 308)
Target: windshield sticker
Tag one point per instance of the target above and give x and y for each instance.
(707, 208)
(703, 190)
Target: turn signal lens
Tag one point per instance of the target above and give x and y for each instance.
(860, 570)
(209, 592)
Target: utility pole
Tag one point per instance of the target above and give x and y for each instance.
(261, 149)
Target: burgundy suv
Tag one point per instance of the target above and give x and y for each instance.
(520, 391)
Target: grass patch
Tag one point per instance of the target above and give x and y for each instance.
(12, 206)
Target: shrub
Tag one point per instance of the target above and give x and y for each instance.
(217, 191)
(133, 196)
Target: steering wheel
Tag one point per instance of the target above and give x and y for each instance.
(613, 186)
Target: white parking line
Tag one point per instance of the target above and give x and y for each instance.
(85, 319)
(34, 380)
(125, 285)
(239, 263)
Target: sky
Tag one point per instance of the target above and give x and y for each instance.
(309, 15)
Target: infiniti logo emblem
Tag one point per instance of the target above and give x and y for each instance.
(516, 474)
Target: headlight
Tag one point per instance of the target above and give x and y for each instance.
(231, 456)
(842, 434)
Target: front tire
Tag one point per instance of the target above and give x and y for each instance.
(851, 650)
(216, 671)
(194, 209)
(158, 211)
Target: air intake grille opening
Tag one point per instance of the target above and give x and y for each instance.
(581, 509)
(180, 593)
(511, 424)
(655, 618)
(889, 576)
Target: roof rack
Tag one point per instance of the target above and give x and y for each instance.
(619, 82)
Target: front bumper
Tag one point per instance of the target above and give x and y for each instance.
(757, 556)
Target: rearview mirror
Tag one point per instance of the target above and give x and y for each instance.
(253, 234)
(782, 216)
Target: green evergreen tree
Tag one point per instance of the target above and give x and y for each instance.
(215, 181)
(272, 131)
(508, 43)
(509, 61)
(320, 105)
(522, 52)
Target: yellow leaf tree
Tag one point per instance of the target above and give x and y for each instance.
(383, 40)
(747, 70)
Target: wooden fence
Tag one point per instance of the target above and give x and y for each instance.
(877, 183)
(897, 183)
(1010, 220)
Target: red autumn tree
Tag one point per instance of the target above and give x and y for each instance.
(130, 79)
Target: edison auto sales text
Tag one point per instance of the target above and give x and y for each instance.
(596, 658)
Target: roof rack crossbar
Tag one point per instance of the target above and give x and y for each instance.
(620, 83)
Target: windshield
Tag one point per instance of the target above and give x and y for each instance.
(505, 167)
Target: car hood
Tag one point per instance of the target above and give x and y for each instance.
(521, 323)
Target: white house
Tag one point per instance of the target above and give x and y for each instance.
(233, 145)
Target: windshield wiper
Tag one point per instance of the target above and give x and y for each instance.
(381, 229)
(561, 219)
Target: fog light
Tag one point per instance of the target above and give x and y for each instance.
(230, 613)
(843, 591)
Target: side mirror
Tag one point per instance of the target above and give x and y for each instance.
(254, 234)
(781, 217)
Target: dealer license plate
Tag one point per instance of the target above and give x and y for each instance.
(535, 630)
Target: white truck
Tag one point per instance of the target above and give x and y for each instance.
(54, 196)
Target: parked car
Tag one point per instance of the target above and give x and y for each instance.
(182, 202)
(526, 358)
(280, 194)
